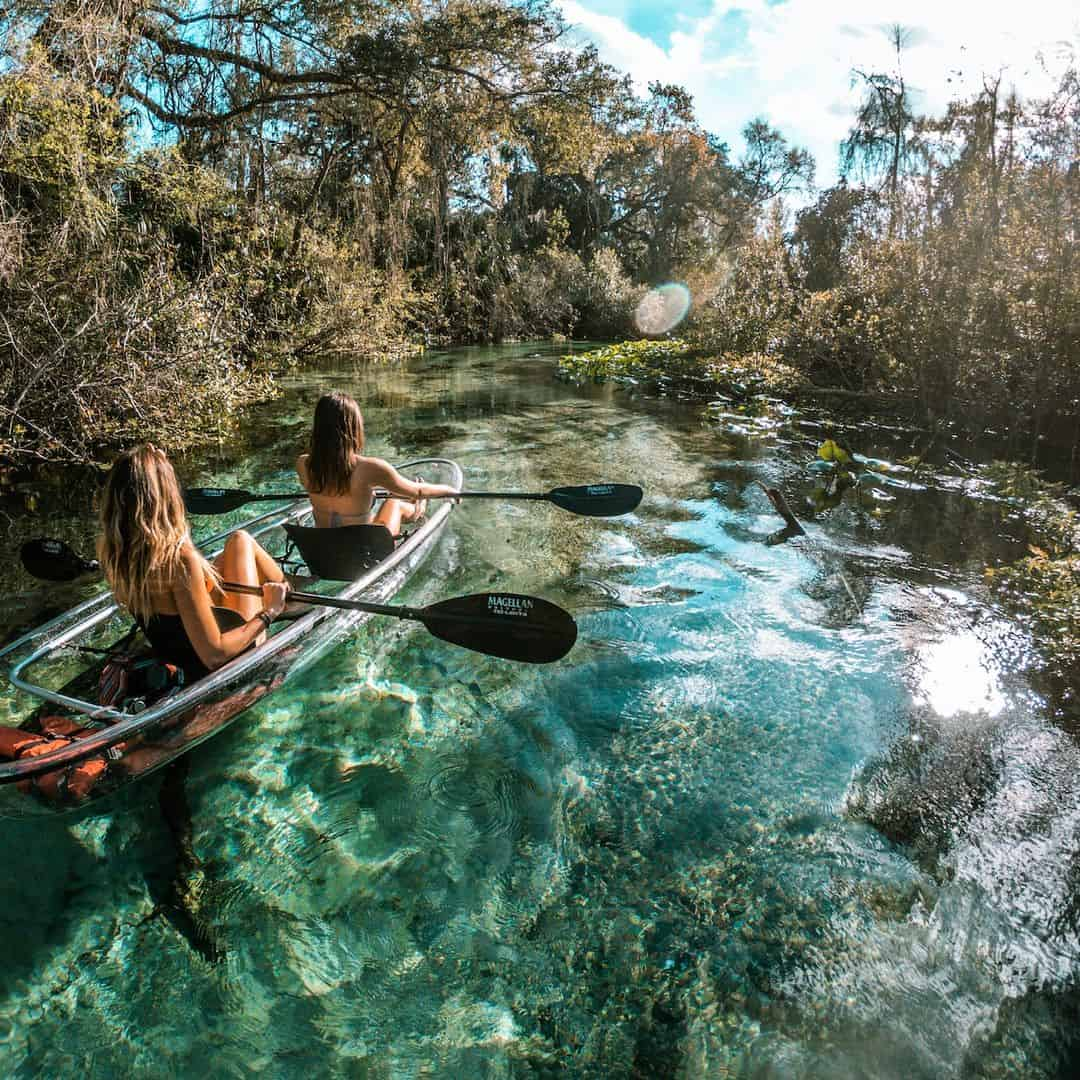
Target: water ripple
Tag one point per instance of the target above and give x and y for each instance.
(489, 793)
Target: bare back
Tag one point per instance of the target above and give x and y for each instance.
(353, 507)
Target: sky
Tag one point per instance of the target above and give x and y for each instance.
(791, 61)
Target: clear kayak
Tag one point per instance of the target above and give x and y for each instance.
(48, 666)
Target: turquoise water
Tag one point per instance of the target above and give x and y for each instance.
(789, 811)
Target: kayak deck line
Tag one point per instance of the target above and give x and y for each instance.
(255, 672)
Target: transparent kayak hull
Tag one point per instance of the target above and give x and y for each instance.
(40, 664)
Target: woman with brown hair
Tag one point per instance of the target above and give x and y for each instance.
(167, 584)
(342, 482)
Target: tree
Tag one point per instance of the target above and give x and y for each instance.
(770, 167)
(880, 140)
(825, 231)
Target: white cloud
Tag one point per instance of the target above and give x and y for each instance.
(690, 57)
(791, 62)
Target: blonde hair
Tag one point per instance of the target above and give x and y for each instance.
(143, 529)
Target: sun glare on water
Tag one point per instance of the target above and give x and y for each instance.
(958, 675)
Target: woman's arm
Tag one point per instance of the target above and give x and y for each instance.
(384, 475)
(212, 645)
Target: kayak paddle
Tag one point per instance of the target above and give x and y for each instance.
(53, 560)
(211, 500)
(589, 500)
(508, 625)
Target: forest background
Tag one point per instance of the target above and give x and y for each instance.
(193, 196)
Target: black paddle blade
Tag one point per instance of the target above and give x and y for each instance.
(523, 628)
(53, 560)
(597, 500)
(214, 500)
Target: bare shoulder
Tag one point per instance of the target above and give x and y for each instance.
(192, 569)
(191, 561)
(375, 470)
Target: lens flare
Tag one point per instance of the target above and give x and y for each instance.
(662, 309)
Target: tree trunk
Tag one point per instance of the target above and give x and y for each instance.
(309, 202)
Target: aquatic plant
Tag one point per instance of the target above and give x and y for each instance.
(1044, 584)
(676, 366)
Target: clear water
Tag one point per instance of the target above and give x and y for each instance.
(786, 811)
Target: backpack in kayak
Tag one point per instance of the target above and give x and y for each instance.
(136, 676)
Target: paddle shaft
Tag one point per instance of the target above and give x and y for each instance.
(589, 500)
(533, 495)
(401, 611)
(282, 496)
(398, 611)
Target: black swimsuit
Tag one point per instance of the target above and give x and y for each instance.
(170, 643)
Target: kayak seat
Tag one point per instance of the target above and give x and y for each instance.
(344, 553)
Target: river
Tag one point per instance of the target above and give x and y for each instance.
(784, 811)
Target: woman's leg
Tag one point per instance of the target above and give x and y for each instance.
(395, 511)
(246, 563)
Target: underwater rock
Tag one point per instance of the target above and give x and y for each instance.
(927, 786)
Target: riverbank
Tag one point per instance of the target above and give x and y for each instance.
(145, 293)
(693, 370)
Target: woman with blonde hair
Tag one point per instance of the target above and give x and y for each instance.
(167, 584)
(174, 594)
(342, 482)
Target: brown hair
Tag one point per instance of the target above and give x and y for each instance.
(143, 528)
(337, 435)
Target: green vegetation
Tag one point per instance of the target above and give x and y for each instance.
(1045, 585)
(675, 366)
(945, 284)
(191, 197)
(631, 361)
(138, 296)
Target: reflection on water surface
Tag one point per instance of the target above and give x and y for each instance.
(784, 811)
